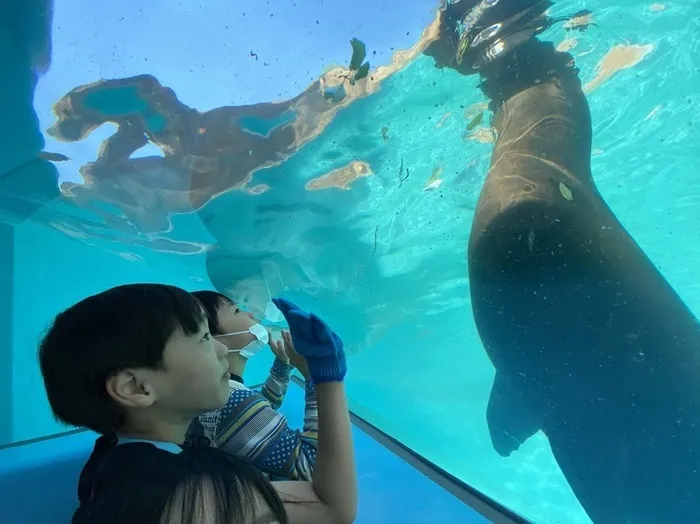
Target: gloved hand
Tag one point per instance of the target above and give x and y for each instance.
(316, 342)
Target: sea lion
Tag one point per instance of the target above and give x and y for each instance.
(591, 345)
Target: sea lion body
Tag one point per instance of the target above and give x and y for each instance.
(591, 344)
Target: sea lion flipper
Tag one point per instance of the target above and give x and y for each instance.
(510, 422)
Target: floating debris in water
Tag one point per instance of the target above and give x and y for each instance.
(358, 70)
(475, 114)
(474, 109)
(374, 249)
(475, 121)
(433, 185)
(359, 52)
(462, 48)
(434, 181)
(565, 192)
(385, 133)
(403, 177)
(335, 93)
(361, 73)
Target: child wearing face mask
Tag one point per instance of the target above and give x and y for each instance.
(246, 337)
(249, 426)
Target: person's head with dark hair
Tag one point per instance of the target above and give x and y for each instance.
(213, 302)
(238, 330)
(136, 359)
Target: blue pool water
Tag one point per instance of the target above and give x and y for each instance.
(382, 257)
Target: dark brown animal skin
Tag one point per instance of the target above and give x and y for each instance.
(591, 345)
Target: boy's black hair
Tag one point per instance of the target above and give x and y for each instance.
(129, 327)
(124, 327)
(211, 300)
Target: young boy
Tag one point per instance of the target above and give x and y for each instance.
(248, 426)
(137, 364)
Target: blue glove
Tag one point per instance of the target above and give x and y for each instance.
(316, 342)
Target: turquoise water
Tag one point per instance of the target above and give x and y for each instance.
(383, 260)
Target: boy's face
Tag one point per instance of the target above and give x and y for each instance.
(194, 379)
(232, 320)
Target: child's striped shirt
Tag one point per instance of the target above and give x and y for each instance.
(249, 427)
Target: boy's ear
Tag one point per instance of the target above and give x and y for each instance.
(130, 389)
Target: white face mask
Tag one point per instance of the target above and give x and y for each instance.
(262, 337)
(272, 312)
